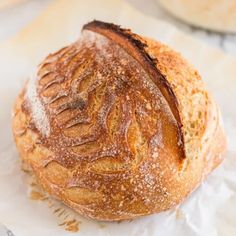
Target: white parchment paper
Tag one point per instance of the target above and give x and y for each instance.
(210, 210)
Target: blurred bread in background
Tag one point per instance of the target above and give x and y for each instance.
(217, 15)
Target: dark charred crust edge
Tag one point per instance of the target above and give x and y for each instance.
(136, 47)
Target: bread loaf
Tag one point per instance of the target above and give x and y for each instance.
(117, 125)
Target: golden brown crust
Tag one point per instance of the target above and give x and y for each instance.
(136, 47)
(102, 133)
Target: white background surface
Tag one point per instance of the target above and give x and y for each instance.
(13, 19)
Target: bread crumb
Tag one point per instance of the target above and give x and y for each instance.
(179, 214)
(72, 226)
(34, 195)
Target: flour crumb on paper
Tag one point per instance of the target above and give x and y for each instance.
(179, 214)
(65, 217)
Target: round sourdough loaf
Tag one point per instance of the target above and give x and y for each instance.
(117, 126)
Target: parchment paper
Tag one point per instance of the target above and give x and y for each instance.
(210, 210)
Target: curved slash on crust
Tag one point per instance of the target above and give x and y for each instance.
(135, 47)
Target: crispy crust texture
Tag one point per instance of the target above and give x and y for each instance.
(117, 126)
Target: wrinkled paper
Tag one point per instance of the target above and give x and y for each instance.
(210, 210)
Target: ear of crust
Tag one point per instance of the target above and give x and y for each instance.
(136, 47)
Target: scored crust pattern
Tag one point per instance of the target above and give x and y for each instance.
(99, 134)
(99, 109)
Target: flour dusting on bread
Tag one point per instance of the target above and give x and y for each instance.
(39, 115)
